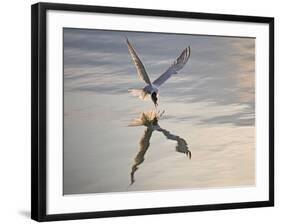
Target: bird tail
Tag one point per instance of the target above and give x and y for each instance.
(139, 93)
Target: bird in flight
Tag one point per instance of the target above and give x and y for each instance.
(152, 88)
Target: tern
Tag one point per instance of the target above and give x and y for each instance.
(152, 88)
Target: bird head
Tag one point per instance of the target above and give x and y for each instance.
(154, 98)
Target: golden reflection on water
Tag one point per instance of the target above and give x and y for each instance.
(212, 102)
(150, 121)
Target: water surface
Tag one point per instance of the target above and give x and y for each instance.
(209, 108)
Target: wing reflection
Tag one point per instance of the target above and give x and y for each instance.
(150, 120)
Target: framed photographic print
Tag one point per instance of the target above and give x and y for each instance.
(138, 111)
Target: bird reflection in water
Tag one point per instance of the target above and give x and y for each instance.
(150, 121)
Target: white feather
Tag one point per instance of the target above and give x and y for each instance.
(143, 95)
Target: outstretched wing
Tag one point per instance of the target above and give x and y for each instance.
(139, 66)
(174, 68)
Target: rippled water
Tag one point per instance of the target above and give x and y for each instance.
(208, 113)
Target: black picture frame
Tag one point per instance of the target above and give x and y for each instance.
(39, 107)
